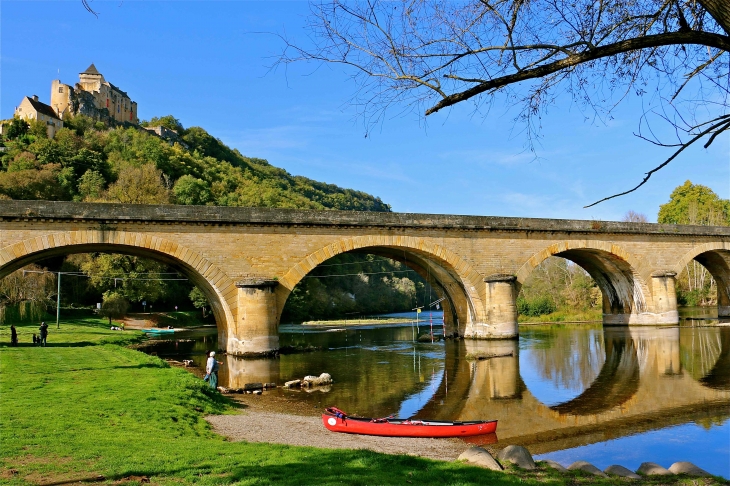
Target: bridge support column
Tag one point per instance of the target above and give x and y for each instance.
(255, 331)
(664, 295)
(660, 310)
(501, 310)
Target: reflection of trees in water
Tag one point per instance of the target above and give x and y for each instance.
(569, 359)
(699, 350)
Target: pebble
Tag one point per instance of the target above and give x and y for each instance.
(652, 469)
(684, 467)
(517, 455)
(555, 465)
(586, 467)
(621, 471)
(480, 457)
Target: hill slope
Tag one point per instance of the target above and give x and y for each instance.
(88, 161)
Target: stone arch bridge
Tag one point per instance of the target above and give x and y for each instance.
(248, 260)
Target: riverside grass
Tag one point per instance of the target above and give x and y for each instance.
(87, 409)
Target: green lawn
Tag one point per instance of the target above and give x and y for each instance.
(87, 409)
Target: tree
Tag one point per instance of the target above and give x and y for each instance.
(199, 300)
(429, 55)
(694, 204)
(634, 217)
(190, 190)
(134, 278)
(91, 185)
(168, 121)
(29, 290)
(139, 185)
(16, 128)
(114, 306)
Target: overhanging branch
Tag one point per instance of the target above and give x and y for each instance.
(674, 38)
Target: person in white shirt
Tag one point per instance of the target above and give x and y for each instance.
(211, 369)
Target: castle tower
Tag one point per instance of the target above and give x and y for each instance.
(91, 79)
(61, 98)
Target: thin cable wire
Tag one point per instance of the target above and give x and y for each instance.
(361, 273)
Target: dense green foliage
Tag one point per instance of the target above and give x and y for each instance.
(86, 161)
(558, 286)
(355, 285)
(694, 204)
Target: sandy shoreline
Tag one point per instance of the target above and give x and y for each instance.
(270, 419)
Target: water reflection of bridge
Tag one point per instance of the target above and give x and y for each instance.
(642, 379)
(651, 378)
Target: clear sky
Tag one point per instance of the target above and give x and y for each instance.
(208, 64)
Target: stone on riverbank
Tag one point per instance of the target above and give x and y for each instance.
(517, 455)
(586, 467)
(621, 471)
(652, 469)
(555, 465)
(293, 384)
(684, 467)
(253, 386)
(321, 380)
(480, 457)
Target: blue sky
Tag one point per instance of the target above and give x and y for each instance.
(207, 63)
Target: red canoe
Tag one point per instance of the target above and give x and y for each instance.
(338, 421)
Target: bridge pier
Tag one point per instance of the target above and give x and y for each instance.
(255, 331)
(501, 307)
(660, 310)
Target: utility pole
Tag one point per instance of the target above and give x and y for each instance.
(58, 303)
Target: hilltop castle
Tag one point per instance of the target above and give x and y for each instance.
(92, 96)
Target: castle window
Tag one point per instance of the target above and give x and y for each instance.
(60, 89)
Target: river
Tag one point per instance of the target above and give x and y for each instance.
(612, 395)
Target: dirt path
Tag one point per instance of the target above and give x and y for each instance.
(264, 420)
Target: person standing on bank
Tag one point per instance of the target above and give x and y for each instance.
(44, 333)
(13, 336)
(211, 368)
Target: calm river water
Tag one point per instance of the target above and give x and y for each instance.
(611, 395)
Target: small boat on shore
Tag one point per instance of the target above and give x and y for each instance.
(155, 330)
(336, 420)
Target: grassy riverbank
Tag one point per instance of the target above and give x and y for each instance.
(566, 315)
(88, 409)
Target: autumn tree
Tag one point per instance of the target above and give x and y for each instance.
(428, 55)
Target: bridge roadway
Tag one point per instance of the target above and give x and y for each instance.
(248, 260)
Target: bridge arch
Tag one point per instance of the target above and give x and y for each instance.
(212, 281)
(625, 292)
(448, 274)
(715, 257)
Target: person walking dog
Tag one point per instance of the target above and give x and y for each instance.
(44, 333)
